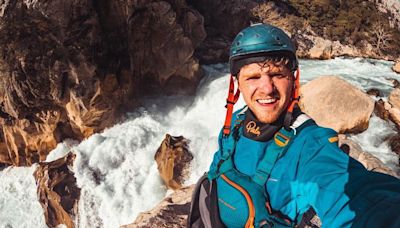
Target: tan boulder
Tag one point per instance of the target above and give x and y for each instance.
(322, 49)
(173, 211)
(173, 158)
(369, 161)
(334, 103)
(394, 98)
(57, 191)
(396, 66)
(393, 106)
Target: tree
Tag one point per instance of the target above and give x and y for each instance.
(382, 38)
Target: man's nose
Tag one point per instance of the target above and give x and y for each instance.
(266, 84)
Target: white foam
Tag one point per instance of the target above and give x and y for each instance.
(19, 205)
(116, 169)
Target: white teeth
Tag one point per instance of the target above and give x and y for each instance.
(266, 101)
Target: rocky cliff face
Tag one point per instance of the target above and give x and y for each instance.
(70, 69)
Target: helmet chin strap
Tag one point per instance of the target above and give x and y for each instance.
(294, 100)
(230, 101)
(296, 92)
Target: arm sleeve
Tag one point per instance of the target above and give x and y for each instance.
(343, 192)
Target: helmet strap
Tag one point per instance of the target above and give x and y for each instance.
(294, 101)
(230, 102)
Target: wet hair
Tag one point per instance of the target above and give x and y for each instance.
(277, 61)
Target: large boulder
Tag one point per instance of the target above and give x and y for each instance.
(71, 69)
(334, 103)
(57, 191)
(173, 158)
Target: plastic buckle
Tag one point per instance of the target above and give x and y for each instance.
(281, 140)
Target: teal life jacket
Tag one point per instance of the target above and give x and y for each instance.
(243, 200)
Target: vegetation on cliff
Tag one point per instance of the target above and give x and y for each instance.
(350, 22)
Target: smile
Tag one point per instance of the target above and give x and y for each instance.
(267, 101)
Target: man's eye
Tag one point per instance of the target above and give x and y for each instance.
(252, 77)
(279, 76)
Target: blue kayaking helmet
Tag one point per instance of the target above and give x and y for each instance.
(259, 42)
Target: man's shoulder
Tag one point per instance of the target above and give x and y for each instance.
(313, 133)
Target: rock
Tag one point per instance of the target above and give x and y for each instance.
(173, 158)
(394, 116)
(396, 84)
(173, 211)
(380, 110)
(374, 92)
(334, 103)
(394, 98)
(57, 191)
(393, 106)
(396, 66)
(71, 69)
(315, 47)
(220, 34)
(369, 161)
(394, 143)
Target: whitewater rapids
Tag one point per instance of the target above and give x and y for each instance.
(116, 169)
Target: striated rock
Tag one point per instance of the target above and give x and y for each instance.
(71, 69)
(171, 212)
(396, 66)
(173, 158)
(217, 13)
(162, 39)
(57, 191)
(369, 161)
(334, 103)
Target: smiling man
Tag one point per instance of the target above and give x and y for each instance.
(274, 163)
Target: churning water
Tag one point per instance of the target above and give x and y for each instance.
(116, 169)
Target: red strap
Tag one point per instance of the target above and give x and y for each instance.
(230, 101)
(296, 92)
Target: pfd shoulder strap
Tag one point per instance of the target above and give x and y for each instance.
(282, 140)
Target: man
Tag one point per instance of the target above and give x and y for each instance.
(274, 163)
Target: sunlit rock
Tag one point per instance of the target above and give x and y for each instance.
(393, 106)
(396, 66)
(57, 191)
(334, 103)
(394, 98)
(369, 161)
(173, 158)
(173, 211)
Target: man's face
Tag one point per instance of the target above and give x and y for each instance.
(266, 89)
